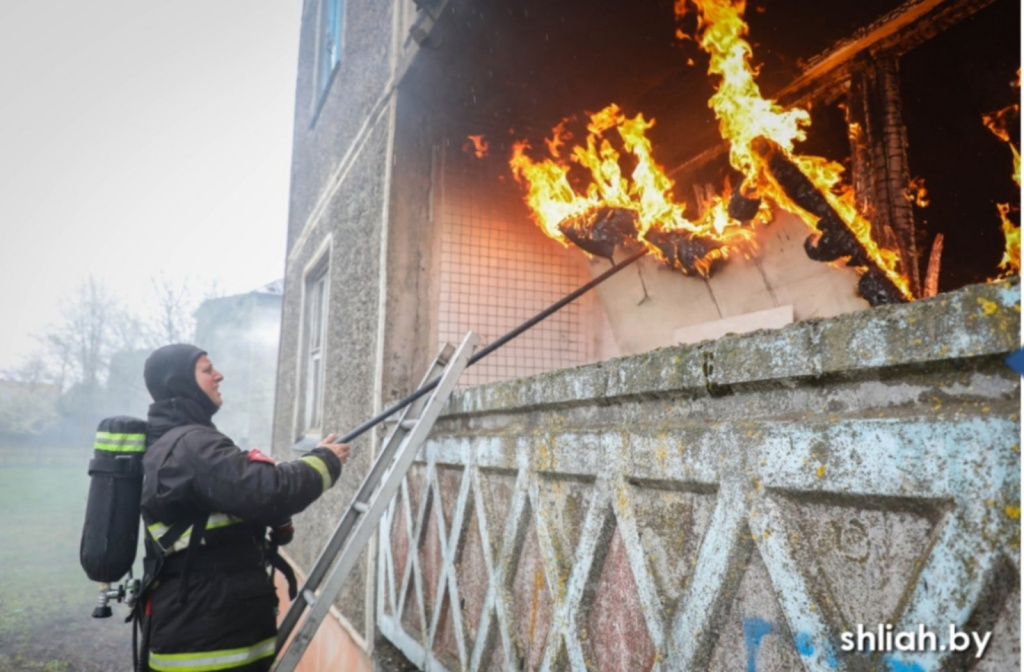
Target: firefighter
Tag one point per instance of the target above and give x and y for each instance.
(208, 600)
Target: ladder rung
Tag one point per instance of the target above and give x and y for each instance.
(309, 597)
(361, 507)
(408, 424)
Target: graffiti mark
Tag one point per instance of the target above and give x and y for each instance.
(900, 666)
(754, 630)
(805, 646)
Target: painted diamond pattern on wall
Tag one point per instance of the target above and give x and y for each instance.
(719, 563)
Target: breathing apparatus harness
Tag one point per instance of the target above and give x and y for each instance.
(110, 534)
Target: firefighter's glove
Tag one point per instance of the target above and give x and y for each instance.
(281, 535)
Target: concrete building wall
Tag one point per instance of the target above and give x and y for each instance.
(337, 220)
(735, 504)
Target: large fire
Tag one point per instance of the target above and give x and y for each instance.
(654, 217)
(761, 136)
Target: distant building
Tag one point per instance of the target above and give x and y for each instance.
(240, 333)
(27, 411)
(126, 392)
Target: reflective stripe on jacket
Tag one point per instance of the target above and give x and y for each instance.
(215, 522)
(206, 661)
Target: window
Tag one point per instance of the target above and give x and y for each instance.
(329, 26)
(316, 334)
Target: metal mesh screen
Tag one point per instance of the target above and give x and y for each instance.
(498, 270)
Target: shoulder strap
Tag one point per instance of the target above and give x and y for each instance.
(198, 530)
(178, 432)
(154, 560)
(174, 532)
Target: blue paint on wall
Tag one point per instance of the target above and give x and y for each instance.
(1016, 361)
(754, 630)
(805, 645)
(900, 666)
(830, 657)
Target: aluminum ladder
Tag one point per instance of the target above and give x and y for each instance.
(360, 520)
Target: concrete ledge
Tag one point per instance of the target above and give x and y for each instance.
(977, 321)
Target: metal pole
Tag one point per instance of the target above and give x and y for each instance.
(491, 347)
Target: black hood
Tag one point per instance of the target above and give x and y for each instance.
(170, 375)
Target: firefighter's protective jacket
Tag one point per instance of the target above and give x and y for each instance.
(212, 606)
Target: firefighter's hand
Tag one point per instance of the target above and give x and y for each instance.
(341, 450)
(281, 535)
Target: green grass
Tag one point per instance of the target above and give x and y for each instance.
(46, 600)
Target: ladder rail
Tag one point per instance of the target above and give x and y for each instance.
(356, 529)
(337, 539)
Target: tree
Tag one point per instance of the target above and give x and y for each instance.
(94, 354)
(175, 304)
(93, 326)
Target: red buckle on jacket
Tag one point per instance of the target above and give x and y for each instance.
(256, 456)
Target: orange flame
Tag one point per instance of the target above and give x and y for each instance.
(559, 136)
(1010, 263)
(998, 123)
(645, 191)
(479, 147)
(744, 114)
(916, 192)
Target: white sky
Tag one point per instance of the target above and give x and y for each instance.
(138, 137)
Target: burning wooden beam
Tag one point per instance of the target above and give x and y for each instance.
(827, 76)
(879, 168)
(743, 208)
(688, 252)
(931, 281)
(895, 33)
(836, 240)
(600, 229)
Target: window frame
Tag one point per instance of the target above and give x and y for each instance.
(313, 346)
(317, 309)
(330, 43)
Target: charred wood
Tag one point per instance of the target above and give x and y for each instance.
(599, 230)
(684, 250)
(743, 209)
(827, 76)
(931, 281)
(836, 240)
(877, 289)
(879, 149)
(894, 34)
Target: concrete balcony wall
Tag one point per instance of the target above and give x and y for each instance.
(735, 504)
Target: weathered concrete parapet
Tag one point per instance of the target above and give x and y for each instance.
(736, 504)
(981, 320)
